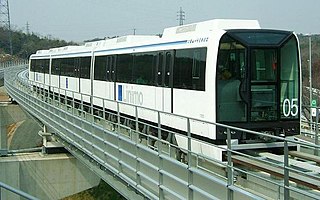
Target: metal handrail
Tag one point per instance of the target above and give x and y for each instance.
(15, 191)
(25, 86)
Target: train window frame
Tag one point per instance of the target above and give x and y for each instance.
(124, 68)
(196, 65)
(40, 65)
(230, 81)
(144, 68)
(56, 66)
(254, 37)
(84, 67)
(68, 67)
(32, 61)
(189, 69)
(100, 64)
(151, 68)
(294, 102)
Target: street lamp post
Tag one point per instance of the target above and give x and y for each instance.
(310, 79)
(316, 139)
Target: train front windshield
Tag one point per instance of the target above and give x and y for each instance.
(258, 80)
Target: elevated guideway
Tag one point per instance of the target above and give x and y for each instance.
(141, 165)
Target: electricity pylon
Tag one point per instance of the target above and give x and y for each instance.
(5, 21)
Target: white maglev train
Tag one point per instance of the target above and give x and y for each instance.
(226, 71)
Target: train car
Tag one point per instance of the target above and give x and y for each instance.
(70, 72)
(222, 71)
(39, 69)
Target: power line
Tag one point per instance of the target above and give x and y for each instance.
(5, 20)
(181, 16)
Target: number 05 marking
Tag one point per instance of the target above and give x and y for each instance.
(290, 107)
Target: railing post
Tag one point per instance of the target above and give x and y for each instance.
(73, 104)
(118, 116)
(286, 171)
(230, 166)
(82, 106)
(91, 104)
(161, 195)
(103, 110)
(316, 137)
(137, 118)
(159, 134)
(137, 125)
(136, 135)
(190, 174)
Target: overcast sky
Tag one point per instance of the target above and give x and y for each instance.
(78, 20)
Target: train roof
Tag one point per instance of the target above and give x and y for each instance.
(171, 33)
(210, 25)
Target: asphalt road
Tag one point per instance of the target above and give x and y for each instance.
(21, 127)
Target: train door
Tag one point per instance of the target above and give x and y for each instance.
(164, 81)
(77, 74)
(46, 74)
(110, 76)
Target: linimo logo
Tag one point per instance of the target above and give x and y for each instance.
(129, 95)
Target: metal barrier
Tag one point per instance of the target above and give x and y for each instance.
(310, 127)
(6, 64)
(148, 164)
(15, 191)
(11, 63)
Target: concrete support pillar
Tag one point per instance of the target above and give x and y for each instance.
(45, 176)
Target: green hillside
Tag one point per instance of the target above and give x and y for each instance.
(23, 45)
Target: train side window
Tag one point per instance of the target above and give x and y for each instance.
(38, 67)
(68, 67)
(124, 68)
(85, 64)
(189, 69)
(198, 69)
(55, 67)
(32, 65)
(196, 65)
(182, 71)
(46, 64)
(100, 64)
(143, 68)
